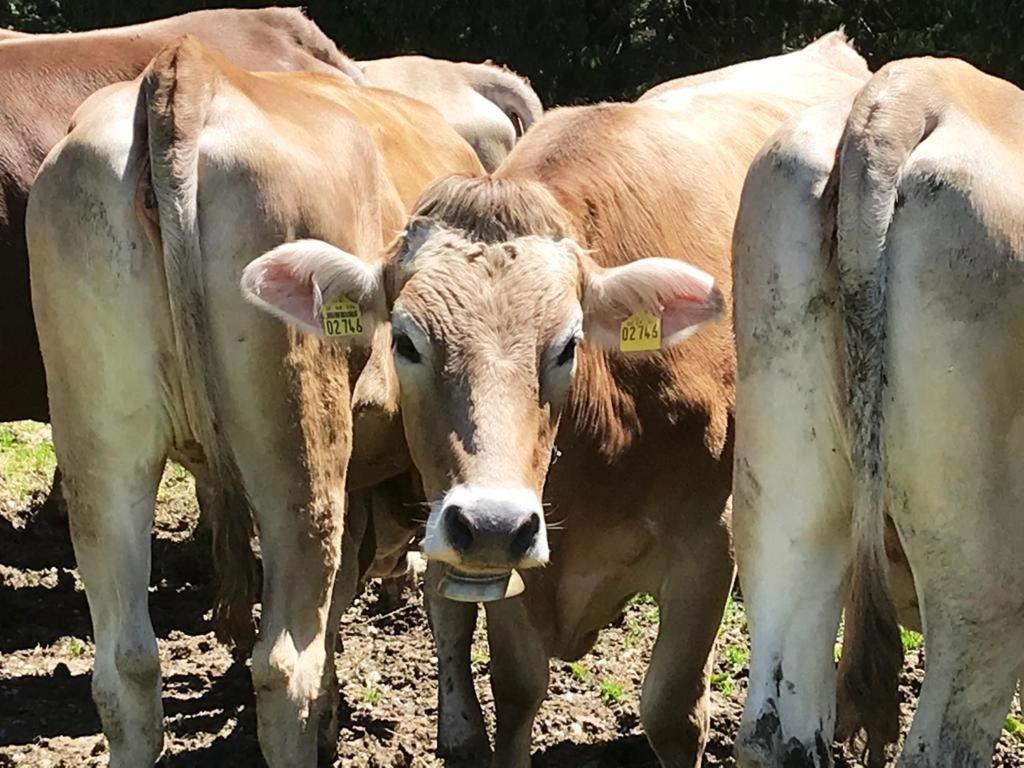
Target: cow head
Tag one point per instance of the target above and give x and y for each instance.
(490, 300)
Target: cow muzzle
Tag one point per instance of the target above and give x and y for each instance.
(483, 535)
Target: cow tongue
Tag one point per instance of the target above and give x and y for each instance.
(466, 587)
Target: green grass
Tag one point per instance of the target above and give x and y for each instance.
(177, 482)
(611, 692)
(1014, 727)
(27, 460)
(911, 640)
(371, 695)
(722, 682)
(733, 616)
(479, 655)
(579, 671)
(733, 659)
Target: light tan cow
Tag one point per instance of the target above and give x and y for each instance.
(880, 317)
(489, 106)
(140, 223)
(508, 297)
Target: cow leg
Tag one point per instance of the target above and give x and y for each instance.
(111, 502)
(289, 662)
(519, 680)
(461, 733)
(675, 704)
(792, 547)
(675, 701)
(54, 508)
(347, 583)
(967, 691)
(792, 572)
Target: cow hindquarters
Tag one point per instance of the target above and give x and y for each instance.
(97, 300)
(675, 705)
(954, 435)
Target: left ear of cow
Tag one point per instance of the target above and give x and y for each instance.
(683, 296)
(295, 280)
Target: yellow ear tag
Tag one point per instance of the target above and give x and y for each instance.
(640, 332)
(342, 317)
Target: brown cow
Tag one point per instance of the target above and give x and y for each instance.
(489, 106)
(493, 285)
(44, 78)
(139, 225)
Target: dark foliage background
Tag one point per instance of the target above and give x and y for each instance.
(586, 50)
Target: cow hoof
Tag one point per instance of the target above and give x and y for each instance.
(473, 755)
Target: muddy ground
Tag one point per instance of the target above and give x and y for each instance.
(47, 718)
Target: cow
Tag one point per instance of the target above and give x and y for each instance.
(879, 293)
(527, 312)
(139, 225)
(490, 106)
(46, 77)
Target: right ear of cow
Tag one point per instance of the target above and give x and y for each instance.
(296, 280)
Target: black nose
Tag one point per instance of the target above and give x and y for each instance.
(459, 529)
(489, 538)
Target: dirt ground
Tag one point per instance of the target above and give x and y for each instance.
(47, 718)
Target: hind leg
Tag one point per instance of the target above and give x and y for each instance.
(954, 437)
(103, 330)
(110, 503)
(109, 432)
(967, 691)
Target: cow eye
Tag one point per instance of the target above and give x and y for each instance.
(568, 353)
(404, 348)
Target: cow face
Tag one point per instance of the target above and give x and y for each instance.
(485, 337)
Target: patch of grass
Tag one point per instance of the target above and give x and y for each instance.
(579, 671)
(611, 692)
(27, 460)
(1014, 727)
(479, 655)
(642, 598)
(177, 482)
(722, 682)
(911, 640)
(733, 659)
(76, 648)
(733, 615)
(371, 695)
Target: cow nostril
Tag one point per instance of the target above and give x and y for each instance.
(525, 535)
(458, 528)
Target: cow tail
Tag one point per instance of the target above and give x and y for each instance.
(876, 145)
(177, 88)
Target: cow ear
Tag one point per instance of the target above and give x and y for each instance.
(648, 304)
(318, 288)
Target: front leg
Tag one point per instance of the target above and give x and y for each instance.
(519, 679)
(461, 734)
(675, 702)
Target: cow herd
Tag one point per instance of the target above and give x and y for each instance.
(764, 317)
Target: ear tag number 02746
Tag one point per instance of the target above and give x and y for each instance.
(341, 317)
(640, 332)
